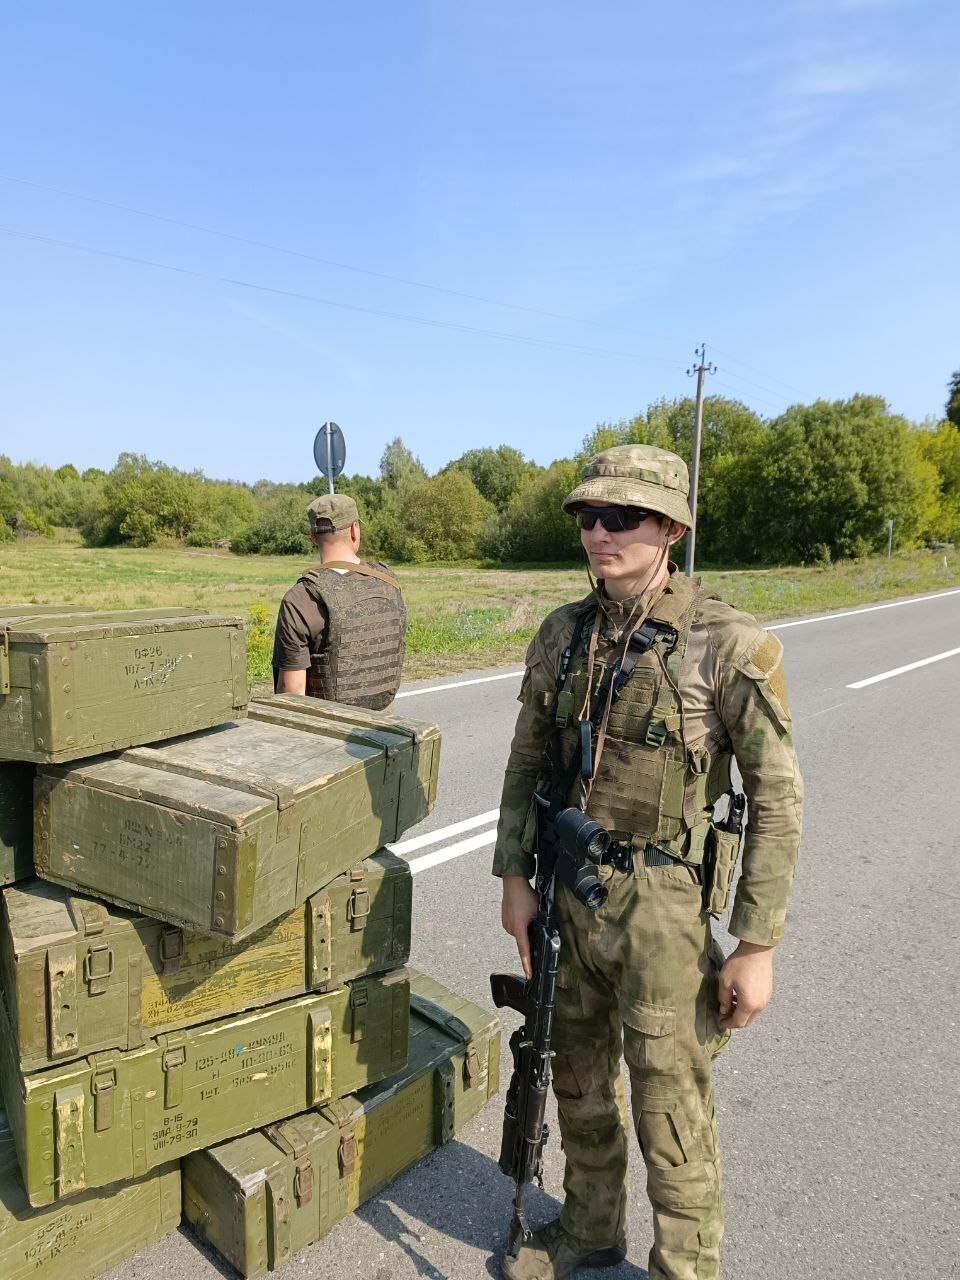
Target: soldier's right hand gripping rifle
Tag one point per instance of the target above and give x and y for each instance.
(569, 847)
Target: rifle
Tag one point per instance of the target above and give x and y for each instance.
(525, 1132)
(569, 848)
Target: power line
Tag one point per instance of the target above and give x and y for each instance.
(762, 399)
(384, 275)
(331, 262)
(769, 376)
(501, 335)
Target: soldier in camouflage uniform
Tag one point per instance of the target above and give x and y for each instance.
(341, 629)
(642, 976)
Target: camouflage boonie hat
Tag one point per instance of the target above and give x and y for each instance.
(332, 511)
(635, 475)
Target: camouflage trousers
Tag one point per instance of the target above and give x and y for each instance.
(638, 979)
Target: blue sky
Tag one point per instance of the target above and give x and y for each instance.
(779, 181)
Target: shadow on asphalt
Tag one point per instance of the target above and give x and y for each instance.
(460, 1194)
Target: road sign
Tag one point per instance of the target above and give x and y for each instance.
(329, 451)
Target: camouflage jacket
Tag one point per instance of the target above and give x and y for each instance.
(732, 687)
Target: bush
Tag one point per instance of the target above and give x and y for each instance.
(534, 527)
(282, 529)
(444, 517)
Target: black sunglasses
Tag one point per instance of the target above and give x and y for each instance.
(613, 519)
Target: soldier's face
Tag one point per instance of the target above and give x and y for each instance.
(629, 555)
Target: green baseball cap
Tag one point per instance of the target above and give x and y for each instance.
(635, 475)
(332, 511)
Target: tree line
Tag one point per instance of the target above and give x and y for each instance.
(816, 484)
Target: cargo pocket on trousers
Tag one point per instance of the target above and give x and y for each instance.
(571, 1072)
(649, 1036)
(677, 1175)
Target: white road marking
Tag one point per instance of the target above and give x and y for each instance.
(822, 712)
(452, 851)
(898, 671)
(870, 608)
(775, 626)
(434, 837)
(459, 684)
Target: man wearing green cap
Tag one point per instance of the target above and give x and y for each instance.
(641, 975)
(341, 628)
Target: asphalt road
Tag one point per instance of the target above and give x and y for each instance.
(839, 1109)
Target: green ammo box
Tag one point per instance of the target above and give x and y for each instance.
(16, 821)
(260, 1199)
(225, 831)
(113, 1116)
(417, 741)
(79, 976)
(80, 683)
(84, 1237)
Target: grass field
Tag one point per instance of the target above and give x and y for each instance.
(460, 618)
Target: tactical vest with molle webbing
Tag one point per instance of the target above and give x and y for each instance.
(361, 652)
(650, 787)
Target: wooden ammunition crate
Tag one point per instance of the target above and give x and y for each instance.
(113, 1116)
(262, 1198)
(416, 740)
(16, 821)
(77, 684)
(79, 976)
(225, 831)
(84, 1237)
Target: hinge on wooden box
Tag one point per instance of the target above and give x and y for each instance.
(89, 917)
(98, 968)
(474, 1066)
(345, 1117)
(171, 951)
(4, 661)
(359, 998)
(288, 1138)
(303, 1182)
(102, 1086)
(173, 1063)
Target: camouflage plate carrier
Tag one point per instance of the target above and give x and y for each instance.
(361, 657)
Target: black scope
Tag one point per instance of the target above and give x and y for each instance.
(581, 836)
(583, 844)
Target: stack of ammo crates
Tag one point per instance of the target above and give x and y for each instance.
(205, 1007)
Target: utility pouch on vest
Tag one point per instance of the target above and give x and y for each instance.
(723, 851)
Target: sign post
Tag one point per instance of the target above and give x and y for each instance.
(329, 451)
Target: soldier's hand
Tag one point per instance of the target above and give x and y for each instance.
(746, 984)
(518, 910)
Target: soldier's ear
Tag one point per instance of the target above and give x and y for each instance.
(675, 532)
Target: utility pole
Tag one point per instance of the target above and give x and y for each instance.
(699, 369)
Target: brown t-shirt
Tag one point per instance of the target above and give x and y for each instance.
(300, 625)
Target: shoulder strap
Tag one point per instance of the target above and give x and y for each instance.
(367, 570)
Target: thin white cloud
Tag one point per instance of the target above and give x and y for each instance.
(352, 371)
(851, 76)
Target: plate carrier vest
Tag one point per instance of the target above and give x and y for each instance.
(649, 787)
(361, 651)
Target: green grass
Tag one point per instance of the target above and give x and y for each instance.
(460, 616)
